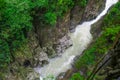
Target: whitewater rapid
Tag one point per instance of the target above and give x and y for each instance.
(81, 39)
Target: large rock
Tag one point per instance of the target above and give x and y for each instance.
(40, 58)
(63, 43)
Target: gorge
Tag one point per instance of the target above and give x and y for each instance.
(59, 39)
(81, 39)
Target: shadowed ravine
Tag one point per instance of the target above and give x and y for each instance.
(81, 39)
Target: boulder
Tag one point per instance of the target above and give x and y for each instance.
(40, 58)
(63, 43)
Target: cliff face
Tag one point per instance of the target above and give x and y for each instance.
(54, 40)
(47, 41)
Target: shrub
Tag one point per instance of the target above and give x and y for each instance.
(77, 76)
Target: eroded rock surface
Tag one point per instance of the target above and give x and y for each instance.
(63, 43)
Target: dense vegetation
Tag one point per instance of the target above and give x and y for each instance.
(16, 19)
(111, 28)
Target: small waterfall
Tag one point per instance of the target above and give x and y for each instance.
(81, 38)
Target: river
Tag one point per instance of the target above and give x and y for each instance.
(81, 39)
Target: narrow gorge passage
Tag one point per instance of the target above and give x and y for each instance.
(81, 39)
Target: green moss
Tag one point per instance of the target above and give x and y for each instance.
(23, 52)
(77, 76)
(86, 59)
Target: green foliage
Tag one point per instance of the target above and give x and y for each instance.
(49, 10)
(112, 23)
(77, 76)
(50, 18)
(86, 59)
(52, 9)
(111, 32)
(40, 3)
(113, 16)
(15, 22)
(81, 3)
(100, 48)
(63, 6)
(4, 54)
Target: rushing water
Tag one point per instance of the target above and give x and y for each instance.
(81, 38)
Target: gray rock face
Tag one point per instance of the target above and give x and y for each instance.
(75, 16)
(72, 29)
(63, 43)
(33, 76)
(93, 9)
(40, 58)
(41, 55)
